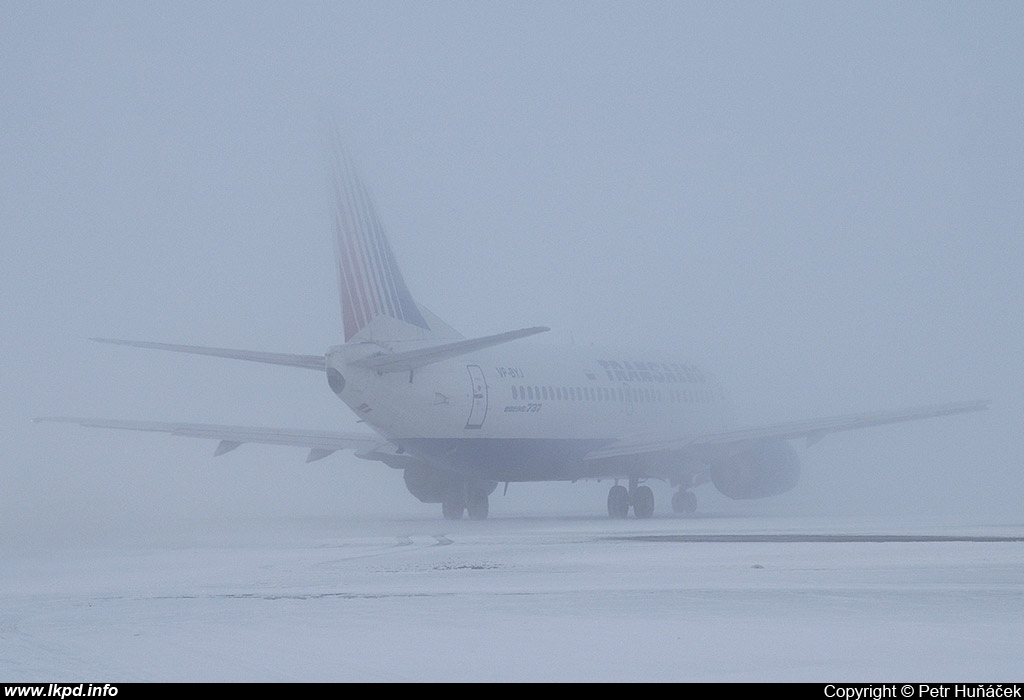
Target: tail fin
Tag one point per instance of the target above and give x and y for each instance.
(375, 303)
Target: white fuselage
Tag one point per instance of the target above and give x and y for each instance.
(521, 411)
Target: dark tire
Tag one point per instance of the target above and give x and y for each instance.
(684, 502)
(476, 504)
(453, 506)
(618, 502)
(643, 502)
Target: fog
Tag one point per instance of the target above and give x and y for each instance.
(819, 203)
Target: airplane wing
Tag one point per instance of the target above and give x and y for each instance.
(812, 429)
(273, 358)
(320, 443)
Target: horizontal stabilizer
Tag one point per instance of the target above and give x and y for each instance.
(411, 359)
(272, 358)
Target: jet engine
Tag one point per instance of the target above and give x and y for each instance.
(767, 469)
(428, 484)
(432, 485)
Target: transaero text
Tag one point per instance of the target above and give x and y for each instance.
(660, 372)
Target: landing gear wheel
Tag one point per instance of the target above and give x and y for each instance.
(618, 502)
(643, 502)
(476, 503)
(453, 506)
(684, 502)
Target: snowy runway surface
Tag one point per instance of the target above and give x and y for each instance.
(524, 599)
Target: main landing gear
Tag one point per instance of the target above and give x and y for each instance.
(684, 501)
(466, 498)
(641, 498)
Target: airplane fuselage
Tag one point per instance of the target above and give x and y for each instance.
(530, 412)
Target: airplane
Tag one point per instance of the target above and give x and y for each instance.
(458, 416)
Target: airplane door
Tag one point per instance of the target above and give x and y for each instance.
(479, 410)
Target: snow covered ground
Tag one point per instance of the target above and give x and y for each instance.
(532, 598)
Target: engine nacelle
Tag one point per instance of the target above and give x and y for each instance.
(428, 484)
(767, 469)
(432, 485)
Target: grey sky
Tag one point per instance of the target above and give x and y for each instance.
(822, 203)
